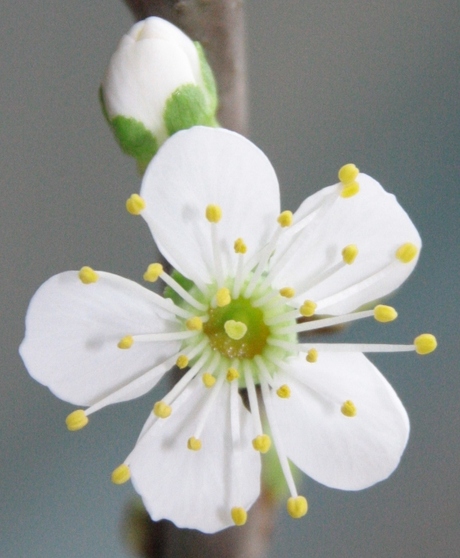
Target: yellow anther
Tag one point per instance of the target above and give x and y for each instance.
(348, 409)
(76, 420)
(285, 219)
(194, 444)
(161, 410)
(349, 253)
(425, 343)
(153, 272)
(308, 308)
(284, 391)
(287, 292)
(232, 374)
(297, 506)
(125, 342)
(312, 356)
(135, 204)
(235, 330)
(223, 297)
(348, 173)
(349, 190)
(87, 275)
(407, 252)
(239, 516)
(213, 213)
(384, 313)
(194, 324)
(262, 443)
(239, 246)
(208, 379)
(121, 474)
(182, 361)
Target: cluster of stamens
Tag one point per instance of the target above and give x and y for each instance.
(241, 330)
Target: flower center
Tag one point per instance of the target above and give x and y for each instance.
(240, 310)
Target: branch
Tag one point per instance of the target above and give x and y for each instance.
(219, 26)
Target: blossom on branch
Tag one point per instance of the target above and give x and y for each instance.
(250, 280)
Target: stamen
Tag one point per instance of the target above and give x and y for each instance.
(284, 391)
(239, 516)
(223, 297)
(162, 410)
(287, 292)
(154, 272)
(194, 324)
(285, 219)
(312, 356)
(253, 402)
(297, 507)
(349, 254)
(348, 173)
(182, 362)
(262, 443)
(87, 275)
(425, 344)
(348, 409)
(349, 190)
(240, 249)
(194, 444)
(135, 204)
(208, 379)
(125, 342)
(214, 215)
(384, 313)
(76, 420)
(308, 308)
(235, 330)
(239, 246)
(407, 252)
(206, 409)
(121, 474)
(423, 347)
(232, 374)
(170, 336)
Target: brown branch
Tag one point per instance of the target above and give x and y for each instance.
(219, 26)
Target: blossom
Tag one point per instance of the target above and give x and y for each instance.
(245, 274)
(158, 82)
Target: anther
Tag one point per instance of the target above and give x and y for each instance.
(384, 313)
(76, 420)
(208, 379)
(407, 252)
(121, 474)
(349, 190)
(287, 292)
(348, 173)
(285, 219)
(232, 374)
(284, 391)
(312, 356)
(297, 506)
(308, 308)
(135, 204)
(349, 254)
(87, 275)
(239, 516)
(125, 342)
(235, 330)
(223, 297)
(213, 213)
(239, 246)
(194, 444)
(348, 409)
(153, 272)
(425, 344)
(194, 324)
(182, 361)
(262, 443)
(161, 409)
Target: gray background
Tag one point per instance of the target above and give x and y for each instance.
(372, 82)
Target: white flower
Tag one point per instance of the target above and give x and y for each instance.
(211, 200)
(157, 82)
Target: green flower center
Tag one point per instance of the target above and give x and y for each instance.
(239, 310)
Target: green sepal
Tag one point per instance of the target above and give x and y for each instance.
(208, 78)
(134, 139)
(187, 107)
(185, 283)
(103, 108)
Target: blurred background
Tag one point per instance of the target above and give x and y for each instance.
(370, 82)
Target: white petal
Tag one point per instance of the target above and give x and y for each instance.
(196, 489)
(203, 166)
(349, 453)
(374, 221)
(72, 331)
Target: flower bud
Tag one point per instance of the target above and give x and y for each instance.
(158, 82)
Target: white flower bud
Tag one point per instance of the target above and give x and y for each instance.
(158, 82)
